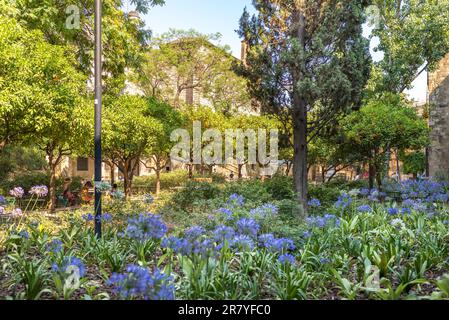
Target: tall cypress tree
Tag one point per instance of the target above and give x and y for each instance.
(308, 63)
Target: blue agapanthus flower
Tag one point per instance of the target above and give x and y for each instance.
(24, 234)
(106, 217)
(343, 202)
(194, 232)
(70, 262)
(281, 245)
(223, 233)
(194, 241)
(314, 203)
(178, 245)
(226, 212)
(139, 283)
(286, 259)
(236, 200)
(266, 238)
(266, 211)
(393, 211)
(54, 246)
(2, 200)
(243, 243)
(247, 226)
(145, 227)
(406, 210)
(307, 234)
(88, 217)
(364, 192)
(364, 208)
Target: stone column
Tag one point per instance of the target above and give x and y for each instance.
(438, 82)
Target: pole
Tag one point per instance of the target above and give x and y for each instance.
(98, 101)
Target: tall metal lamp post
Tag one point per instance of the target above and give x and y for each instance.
(98, 101)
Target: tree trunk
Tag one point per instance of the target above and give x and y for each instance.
(158, 181)
(398, 168)
(52, 190)
(112, 174)
(240, 174)
(300, 126)
(300, 160)
(127, 178)
(372, 174)
(387, 161)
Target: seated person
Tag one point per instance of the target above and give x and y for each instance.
(86, 194)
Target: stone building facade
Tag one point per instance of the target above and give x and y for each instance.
(438, 83)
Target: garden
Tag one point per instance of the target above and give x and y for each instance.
(240, 240)
(302, 160)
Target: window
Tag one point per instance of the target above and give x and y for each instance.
(82, 164)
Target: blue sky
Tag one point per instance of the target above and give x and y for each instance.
(212, 16)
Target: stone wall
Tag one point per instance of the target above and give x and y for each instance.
(439, 119)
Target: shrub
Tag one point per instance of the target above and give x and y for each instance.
(280, 187)
(326, 194)
(195, 192)
(254, 191)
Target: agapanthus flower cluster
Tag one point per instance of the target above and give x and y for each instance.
(286, 259)
(54, 246)
(364, 192)
(70, 262)
(364, 208)
(248, 226)
(17, 192)
(194, 241)
(139, 283)
(106, 217)
(314, 203)
(223, 233)
(406, 210)
(243, 242)
(225, 213)
(422, 189)
(39, 191)
(307, 234)
(236, 200)
(322, 222)
(393, 211)
(374, 195)
(343, 202)
(88, 217)
(281, 245)
(2, 200)
(146, 226)
(265, 211)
